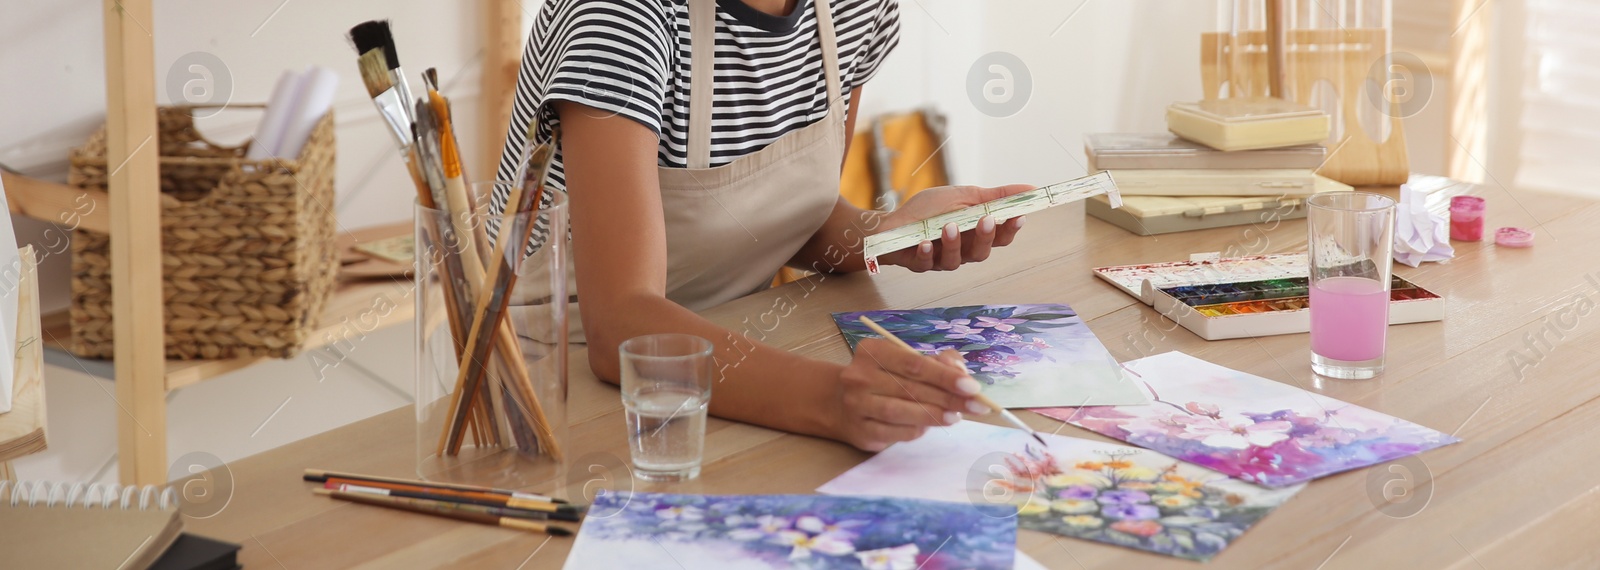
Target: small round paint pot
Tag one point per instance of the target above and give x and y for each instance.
(1513, 237)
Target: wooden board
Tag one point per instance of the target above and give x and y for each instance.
(1516, 491)
(135, 207)
(355, 264)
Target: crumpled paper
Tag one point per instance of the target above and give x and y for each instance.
(1419, 236)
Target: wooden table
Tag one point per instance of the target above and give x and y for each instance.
(1517, 492)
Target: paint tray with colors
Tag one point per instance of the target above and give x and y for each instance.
(1223, 298)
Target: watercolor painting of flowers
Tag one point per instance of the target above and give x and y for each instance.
(1024, 355)
(1083, 489)
(646, 530)
(1250, 427)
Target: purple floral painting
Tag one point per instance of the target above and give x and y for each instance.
(1083, 489)
(761, 532)
(1026, 356)
(1250, 427)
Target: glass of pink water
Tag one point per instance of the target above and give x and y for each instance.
(1350, 236)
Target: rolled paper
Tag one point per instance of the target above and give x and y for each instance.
(269, 133)
(316, 97)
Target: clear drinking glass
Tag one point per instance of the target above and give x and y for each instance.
(666, 388)
(1351, 238)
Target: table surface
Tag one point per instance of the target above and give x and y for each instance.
(1516, 492)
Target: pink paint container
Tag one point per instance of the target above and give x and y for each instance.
(1513, 237)
(1466, 218)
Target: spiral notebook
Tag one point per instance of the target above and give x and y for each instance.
(75, 525)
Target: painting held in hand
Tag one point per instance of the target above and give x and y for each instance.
(1079, 488)
(761, 532)
(1250, 427)
(1024, 355)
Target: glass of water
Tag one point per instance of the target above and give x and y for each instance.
(1351, 237)
(666, 389)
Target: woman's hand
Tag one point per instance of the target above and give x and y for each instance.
(952, 249)
(889, 394)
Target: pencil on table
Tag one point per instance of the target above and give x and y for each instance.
(452, 494)
(548, 510)
(322, 475)
(446, 511)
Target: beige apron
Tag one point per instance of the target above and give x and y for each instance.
(730, 228)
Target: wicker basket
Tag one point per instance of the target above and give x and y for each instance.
(248, 255)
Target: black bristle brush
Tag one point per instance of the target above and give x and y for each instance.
(375, 35)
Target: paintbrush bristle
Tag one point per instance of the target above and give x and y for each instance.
(430, 77)
(1040, 439)
(449, 152)
(373, 73)
(375, 35)
(558, 531)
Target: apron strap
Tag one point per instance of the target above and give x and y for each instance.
(830, 52)
(702, 71)
(702, 62)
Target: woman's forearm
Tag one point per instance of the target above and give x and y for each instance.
(752, 382)
(836, 246)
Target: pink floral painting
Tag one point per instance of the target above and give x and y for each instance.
(1249, 427)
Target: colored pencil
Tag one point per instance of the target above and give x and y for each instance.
(982, 399)
(445, 510)
(322, 475)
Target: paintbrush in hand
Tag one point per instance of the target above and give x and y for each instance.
(982, 399)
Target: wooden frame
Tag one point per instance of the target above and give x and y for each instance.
(1468, 103)
(1344, 55)
(135, 199)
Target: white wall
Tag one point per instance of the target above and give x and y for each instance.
(1114, 66)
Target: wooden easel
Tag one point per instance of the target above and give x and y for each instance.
(1342, 57)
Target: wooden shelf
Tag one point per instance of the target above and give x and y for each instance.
(75, 208)
(130, 213)
(358, 308)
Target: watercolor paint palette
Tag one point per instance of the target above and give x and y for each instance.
(1240, 297)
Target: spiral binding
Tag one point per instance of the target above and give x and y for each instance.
(34, 494)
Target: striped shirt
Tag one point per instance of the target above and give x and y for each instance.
(631, 58)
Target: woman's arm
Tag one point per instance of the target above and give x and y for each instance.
(836, 247)
(618, 237)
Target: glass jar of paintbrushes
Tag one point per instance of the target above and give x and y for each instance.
(492, 360)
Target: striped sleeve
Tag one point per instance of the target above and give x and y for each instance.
(611, 55)
(885, 36)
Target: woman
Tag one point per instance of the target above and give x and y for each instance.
(682, 200)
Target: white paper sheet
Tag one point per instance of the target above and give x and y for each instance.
(10, 274)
